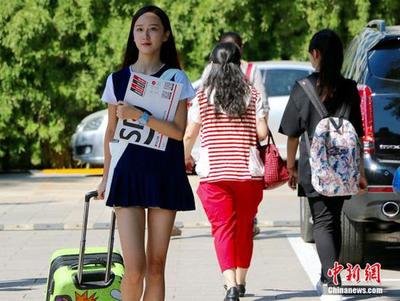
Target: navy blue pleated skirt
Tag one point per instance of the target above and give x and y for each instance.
(145, 177)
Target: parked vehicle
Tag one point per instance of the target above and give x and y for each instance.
(88, 140)
(373, 61)
(278, 77)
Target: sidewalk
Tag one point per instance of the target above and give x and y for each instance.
(40, 214)
(192, 270)
(31, 204)
(44, 201)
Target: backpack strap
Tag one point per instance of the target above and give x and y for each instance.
(344, 111)
(309, 89)
(308, 143)
(312, 95)
(169, 74)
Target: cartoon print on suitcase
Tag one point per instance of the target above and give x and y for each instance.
(115, 295)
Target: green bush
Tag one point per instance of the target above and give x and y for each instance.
(56, 55)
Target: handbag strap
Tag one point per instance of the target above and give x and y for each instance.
(270, 137)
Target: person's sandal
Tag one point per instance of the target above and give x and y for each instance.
(232, 294)
(241, 288)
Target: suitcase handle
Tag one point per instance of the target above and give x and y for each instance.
(88, 197)
(87, 262)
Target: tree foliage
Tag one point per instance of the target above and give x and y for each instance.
(56, 55)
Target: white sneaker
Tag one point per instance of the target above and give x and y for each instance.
(319, 288)
(322, 290)
(326, 297)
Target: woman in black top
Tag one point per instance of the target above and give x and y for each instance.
(326, 56)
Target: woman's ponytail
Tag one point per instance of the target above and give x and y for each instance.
(226, 83)
(328, 43)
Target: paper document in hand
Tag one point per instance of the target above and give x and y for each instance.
(159, 98)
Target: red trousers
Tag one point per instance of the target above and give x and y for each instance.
(231, 207)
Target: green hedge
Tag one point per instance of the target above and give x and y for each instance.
(56, 55)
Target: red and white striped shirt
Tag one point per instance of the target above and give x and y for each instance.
(226, 141)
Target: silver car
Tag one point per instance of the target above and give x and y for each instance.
(88, 139)
(278, 77)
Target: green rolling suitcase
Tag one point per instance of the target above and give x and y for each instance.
(86, 275)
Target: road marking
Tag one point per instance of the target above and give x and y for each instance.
(390, 280)
(18, 227)
(106, 225)
(308, 258)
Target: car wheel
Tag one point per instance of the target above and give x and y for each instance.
(353, 241)
(306, 225)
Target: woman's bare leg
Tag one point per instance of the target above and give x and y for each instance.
(131, 225)
(241, 275)
(230, 278)
(160, 223)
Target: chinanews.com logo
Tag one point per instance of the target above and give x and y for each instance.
(370, 275)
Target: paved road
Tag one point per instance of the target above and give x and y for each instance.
(39, 215)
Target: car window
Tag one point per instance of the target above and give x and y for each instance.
(386, 116)
(384, 60)
(279, 82)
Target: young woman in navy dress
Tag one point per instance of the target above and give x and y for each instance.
(146, 179)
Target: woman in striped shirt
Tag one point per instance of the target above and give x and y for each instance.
(230, 115)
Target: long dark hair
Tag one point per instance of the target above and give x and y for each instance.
(168, 53)
(231, 36)
(226, 81)
(328, 43)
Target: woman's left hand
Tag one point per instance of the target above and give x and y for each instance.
(125, 111)
(293, 177)
(363, 184)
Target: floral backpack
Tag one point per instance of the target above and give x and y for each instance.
(334, 152)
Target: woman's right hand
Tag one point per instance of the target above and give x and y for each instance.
(101, 189)
(189, 163)
(292, 183)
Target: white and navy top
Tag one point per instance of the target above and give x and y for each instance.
(228, 144)
(146, 177)
(116, 85)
